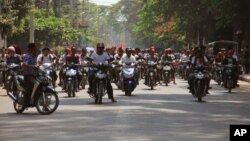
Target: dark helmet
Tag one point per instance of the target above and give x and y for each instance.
(199, 50)
(46, 48)
(84, 49)
(128, 49)
(100, 45)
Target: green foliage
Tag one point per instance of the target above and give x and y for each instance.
(11, 14)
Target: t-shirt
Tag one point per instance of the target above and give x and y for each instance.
(44, 59)
(14, 59)
(100, 58)
(195, 61)
(125, 59)
(29, 59)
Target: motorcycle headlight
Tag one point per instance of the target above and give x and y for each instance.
(167, 68)
(151, 74)
(100, 75)
(199, 75)
(71, 72)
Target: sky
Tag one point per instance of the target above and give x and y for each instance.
(104, 2)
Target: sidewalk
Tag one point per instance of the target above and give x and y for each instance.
(245, 77)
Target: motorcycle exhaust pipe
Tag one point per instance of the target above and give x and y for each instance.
(10, 94)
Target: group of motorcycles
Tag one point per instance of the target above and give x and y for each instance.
(224, 75)
(126, 77)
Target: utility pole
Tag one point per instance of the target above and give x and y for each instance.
(32, 29)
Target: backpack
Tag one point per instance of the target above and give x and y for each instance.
(50, 58)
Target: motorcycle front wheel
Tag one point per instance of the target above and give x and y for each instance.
(19, 108)
(47, 103)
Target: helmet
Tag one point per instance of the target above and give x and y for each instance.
(11, 48)
(73, 49)
(128, 49)
(67, 50)
(84, 49)
(100, 45)
(46, 48)
(220, 54)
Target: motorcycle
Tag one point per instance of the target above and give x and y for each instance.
(185, 69)
(128, 78)
(218, 73)
(71, 79)
(229, 82)
(84, 75)
(199, 83)
(2, 69)
(43, 97)
(100, 82)
(166, 72)
(12, 70)
(51, 73)
(151, 74)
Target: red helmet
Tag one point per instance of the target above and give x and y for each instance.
(220, 54)
(152, 49)
(67, 50)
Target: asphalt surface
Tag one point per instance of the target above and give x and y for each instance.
(168, 113)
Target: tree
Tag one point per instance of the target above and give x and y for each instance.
(11, 14)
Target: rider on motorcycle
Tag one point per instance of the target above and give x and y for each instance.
(83, 56)
(100, 57)
(230, 59)
(29, 63)
(47, 57)
(151, 56)
(128, 58)
(72, 58)
(11, 57)
(119, 54)
(170, 58)
(199, 59)
(62, 61)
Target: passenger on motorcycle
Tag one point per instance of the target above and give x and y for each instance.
(169, 58)
(231, 59)
(29, 64)
(198, 60)
(100, 57)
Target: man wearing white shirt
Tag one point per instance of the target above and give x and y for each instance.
(45, 57)
(100, 57)
(128, 57)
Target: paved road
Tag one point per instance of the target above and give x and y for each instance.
(165, 114)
